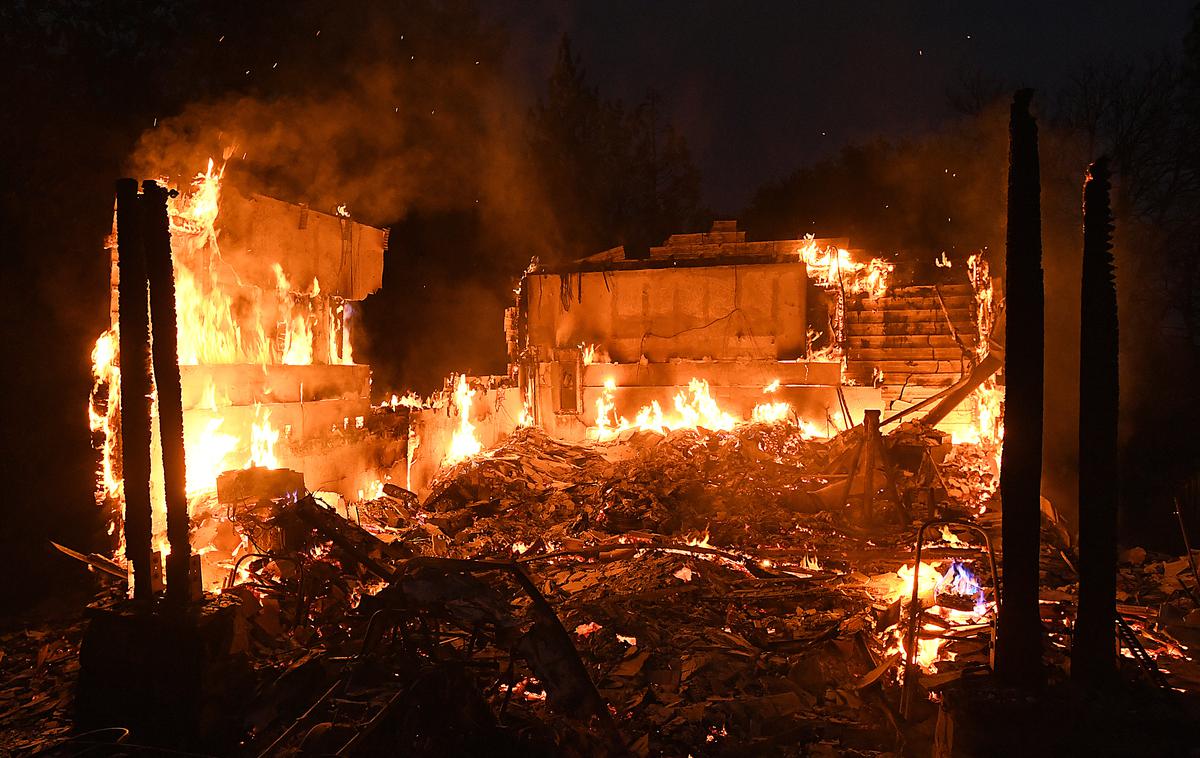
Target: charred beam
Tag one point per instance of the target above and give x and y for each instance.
(134, 345)
(953, 397)
(1092, 657)
(159, 270)
(1019, 633)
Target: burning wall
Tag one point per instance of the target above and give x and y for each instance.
(611, 338)
(265, 294)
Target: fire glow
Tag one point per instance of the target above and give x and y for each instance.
(831, 266)
(694, 408)
(221, 321)
(939, 594)
(464, 443)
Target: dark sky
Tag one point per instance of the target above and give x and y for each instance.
(758, 88)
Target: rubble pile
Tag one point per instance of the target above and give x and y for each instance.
(683, 594)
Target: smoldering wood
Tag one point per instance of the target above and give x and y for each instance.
(356, 541)
(134, 346)
(1019, 633)
(1092, 650)
(165, 349)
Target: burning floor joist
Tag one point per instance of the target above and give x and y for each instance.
(731, 498)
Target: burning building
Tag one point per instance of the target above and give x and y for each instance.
(712, 330)
(266, 292)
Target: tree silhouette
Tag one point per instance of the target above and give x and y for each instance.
(615, 175)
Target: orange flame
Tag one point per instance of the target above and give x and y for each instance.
(694, 408)
(464, 443)
(833, 267)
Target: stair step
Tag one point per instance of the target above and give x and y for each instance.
(952, 368)
(906, 317)
(964, 303)
(905, 340)
(932, 382)
(906, 354)
(922, 290)
(859, 330)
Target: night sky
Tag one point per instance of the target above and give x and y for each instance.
(759, 90)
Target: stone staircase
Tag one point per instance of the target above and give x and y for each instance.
(919, 347)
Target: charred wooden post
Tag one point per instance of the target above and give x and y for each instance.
(873, 444)
(1019, 633)
(134, 328)
(161, 274)
(1093, 660)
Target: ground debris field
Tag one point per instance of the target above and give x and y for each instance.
(694, 593)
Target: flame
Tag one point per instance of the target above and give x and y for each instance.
(589, 353)
(104, 411)
(933, 583)
(296, 333)
(981, 279)
(373, 490)
(220, 320)
(525, 418)
(959, 580)
(207, 450)
(950, 538)
(928, 579)
(607, 423)
(833, 267)
(464, 444)
(986, 403)
(929, 650)
(209, 331)
(263, 437)
(408, 400)
(769, 413)
(697, 408)
(694, 408)
(987, 413)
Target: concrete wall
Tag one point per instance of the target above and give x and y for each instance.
(734, 311)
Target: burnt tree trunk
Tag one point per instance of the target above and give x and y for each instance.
(134, 345)
(1093, 650)
(161, 274)
(1019, 633)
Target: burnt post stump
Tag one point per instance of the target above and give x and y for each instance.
(173, 677)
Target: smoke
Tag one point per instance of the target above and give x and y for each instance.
(384, 142)
(400, 119)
